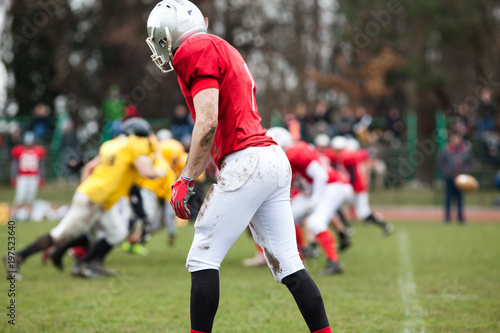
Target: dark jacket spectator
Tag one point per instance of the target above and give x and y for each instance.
(487, 112)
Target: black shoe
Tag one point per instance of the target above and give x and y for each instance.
(345, 243)
(388, 229)
(85, 271)
(332, 267)
(97, 266)
(56, 258)
(311, 251)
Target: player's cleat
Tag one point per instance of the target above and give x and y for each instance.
(388, 229)
(345, 242)
(12, 267)
(311, 251)
(257, 260)
(332, 267)
(57, 259)
(85, 271)
(97, 266)
(171, 239)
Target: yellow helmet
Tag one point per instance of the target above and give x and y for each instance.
(171, 150)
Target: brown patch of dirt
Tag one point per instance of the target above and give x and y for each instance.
(275, 264)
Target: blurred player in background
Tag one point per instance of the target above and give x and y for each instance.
(329, 190)
(350, 158)
(254, 179)
(105, 179)
(27, 175)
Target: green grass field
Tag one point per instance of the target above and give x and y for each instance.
(61, 193)
(427, 277)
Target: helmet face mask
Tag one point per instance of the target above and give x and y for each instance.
(169, 24)
(159, 59)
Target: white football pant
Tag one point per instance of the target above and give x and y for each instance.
(26, 188)
(334, 195)
(253, 185)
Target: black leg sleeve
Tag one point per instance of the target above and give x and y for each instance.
(98, 251)
(136, 202)
(79, 241)
(204, 299)
(376, 221)
(343, 219)
(308, 299)
(40, 244)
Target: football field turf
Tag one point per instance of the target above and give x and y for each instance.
(426, 277)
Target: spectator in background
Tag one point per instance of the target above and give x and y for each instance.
(463, 121)
(487, 111)
(112, 110)
(40, 124)
(182, 123)
(363, 121)
(454, 160)
(345, 121)
(322, 120)
(131, 111)
(15, 135)
(395, 127)
(302, 119)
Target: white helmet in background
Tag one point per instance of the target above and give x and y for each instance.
(339, 142)
(322, 140)
(352, 144)
(169, 24)
(282, 137)
(164, 134)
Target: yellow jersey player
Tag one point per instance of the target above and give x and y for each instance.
(105, 179)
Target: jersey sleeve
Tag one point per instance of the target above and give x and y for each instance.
(198, 61)
(16, 151)
(41, 152)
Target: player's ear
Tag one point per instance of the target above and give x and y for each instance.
(206, 21)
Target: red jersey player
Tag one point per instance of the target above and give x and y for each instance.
(27, 171)
(354, 162)
(254, 179)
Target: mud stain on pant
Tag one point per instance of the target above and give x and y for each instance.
(273, 262)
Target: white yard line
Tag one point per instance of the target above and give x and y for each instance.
(414, 321)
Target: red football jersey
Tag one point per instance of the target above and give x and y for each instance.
(301, 155)
(354, 162)
(29, 159)
(206, 61)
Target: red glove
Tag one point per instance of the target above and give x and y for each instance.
(13, 182)
(182, 190)
(41, 183)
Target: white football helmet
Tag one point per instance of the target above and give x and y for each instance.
(339, 142)
(282, 137)
(352, 144)
(164, 134)
(322, 140)
(169, 24)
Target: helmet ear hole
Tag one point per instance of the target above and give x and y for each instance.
(163, 42)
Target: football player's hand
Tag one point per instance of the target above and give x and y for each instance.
(13, 181)
(182, 190)
(41, 182)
